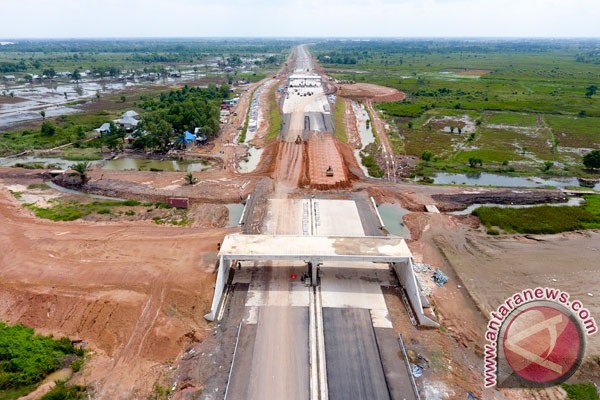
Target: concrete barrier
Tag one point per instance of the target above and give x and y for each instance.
(408, 280)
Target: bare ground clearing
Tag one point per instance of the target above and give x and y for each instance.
(370, 91)
(134, 292)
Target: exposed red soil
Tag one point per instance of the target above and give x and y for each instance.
(323, 154)
(370, 91)
(133, 291)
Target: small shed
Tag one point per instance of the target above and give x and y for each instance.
(178, 202)
(186, 139)
(104, 129)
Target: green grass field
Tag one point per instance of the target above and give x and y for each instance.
(339, 127)
(542, 219)
(275, 118)
(527, 96)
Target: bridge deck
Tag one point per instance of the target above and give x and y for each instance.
(324, 248)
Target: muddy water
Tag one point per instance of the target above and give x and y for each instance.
(138, 164)
(235, 213)
(392, 215)
(254, 114)
(60, 375)
(486, 179)
(119, 164)
(251, 162)
(365, 132)
(573, 202)
(58, 163)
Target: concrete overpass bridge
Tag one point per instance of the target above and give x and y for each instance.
(315, 250)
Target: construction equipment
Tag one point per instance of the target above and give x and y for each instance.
(329, 171)
(299, 140)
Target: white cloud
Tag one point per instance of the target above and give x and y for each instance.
(299, 18)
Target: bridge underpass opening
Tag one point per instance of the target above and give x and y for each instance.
(317, 250)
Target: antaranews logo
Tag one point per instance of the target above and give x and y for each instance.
(536, 338)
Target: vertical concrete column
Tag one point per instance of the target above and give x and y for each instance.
(223, 272)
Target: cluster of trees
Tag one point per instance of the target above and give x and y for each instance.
(336, 58)
(173, 113)
(13, 67)
(234, 60)
(592, 159)
(26, 358)
(475, 161)
(106, 70)
(592, 57)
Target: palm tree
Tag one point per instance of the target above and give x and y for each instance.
(43, 114)
(82, 168)
(189, 179)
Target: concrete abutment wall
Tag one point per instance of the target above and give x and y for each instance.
(408, 280)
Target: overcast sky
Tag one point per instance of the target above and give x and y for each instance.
(299, 18)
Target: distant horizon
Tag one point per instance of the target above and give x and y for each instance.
(5, 40)
(29, 19)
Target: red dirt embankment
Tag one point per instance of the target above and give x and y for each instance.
(323, 154)
(133, 291)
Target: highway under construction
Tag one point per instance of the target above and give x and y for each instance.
(313, 321)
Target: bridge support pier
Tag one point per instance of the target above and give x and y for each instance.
(222, 274)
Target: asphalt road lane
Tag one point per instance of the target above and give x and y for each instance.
(354, 369)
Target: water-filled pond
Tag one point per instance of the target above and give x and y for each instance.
(487, 179)
(141, 164)
(57, 163)
(119, 164)
(251, 161)
(235, 213)
(573, 201)
(392, 215)
(365, 131)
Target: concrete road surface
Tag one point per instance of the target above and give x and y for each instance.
(271, 361)
(354, 369)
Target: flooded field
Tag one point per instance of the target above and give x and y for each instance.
(60, 98)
